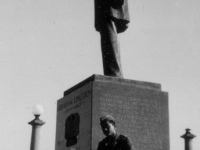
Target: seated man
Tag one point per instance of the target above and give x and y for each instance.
(113, 140)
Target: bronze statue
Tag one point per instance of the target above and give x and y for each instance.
(111, 17)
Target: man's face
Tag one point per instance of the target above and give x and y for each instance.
(108, 129)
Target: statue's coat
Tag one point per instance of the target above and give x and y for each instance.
(116, 10)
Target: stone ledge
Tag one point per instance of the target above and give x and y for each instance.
(109, 79)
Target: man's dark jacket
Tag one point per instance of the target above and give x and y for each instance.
(120, 142)
(115, 10)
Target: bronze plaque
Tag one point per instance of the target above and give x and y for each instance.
(73, 122)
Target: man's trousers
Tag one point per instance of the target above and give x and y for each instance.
(110, 50)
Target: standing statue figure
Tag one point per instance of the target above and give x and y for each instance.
(111, 17)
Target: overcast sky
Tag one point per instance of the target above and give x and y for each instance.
(47, 46)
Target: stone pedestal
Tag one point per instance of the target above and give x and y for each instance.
(139, 108)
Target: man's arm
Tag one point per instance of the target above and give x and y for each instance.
(100, 146)
(126, 144)
(129, 144)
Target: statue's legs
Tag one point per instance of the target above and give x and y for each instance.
(110, 50)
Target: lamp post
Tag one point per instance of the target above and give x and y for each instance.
(188, 138)
(36, 125)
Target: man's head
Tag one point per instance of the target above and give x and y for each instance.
(108, 125)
